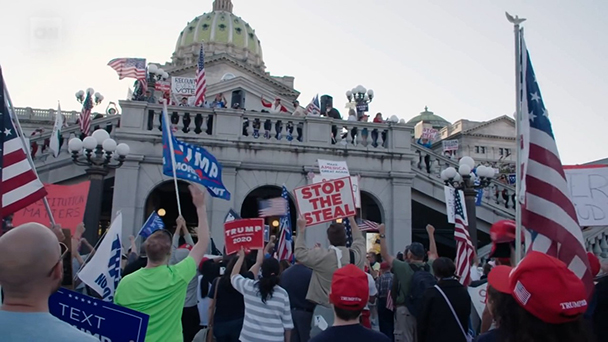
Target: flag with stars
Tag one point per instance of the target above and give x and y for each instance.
(349, 232)
(20, 183)
(284, 250)
(547, 210)
(465, 252)
(191, 163)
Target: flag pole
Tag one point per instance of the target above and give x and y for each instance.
(516, 21)
(172, 152)
(28, 155)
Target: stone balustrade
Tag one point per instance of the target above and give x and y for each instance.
(46, 115)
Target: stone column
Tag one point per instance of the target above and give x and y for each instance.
(126, 199)
(399, 233)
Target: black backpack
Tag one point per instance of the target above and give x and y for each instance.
(421, 280)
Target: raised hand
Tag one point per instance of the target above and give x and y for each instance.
(241, 253)
(382, 229)
(430, 229)
(301, 224)
(198, 196)
(56, 228)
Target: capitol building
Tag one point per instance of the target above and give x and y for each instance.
(396, 187)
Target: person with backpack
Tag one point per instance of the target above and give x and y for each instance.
(412, 278)
(324, 262)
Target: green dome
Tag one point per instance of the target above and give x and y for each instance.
(222, 32)
(429, 117)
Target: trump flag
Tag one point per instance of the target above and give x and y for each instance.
(192, 163)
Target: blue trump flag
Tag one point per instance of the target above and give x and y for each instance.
(104, 320)
(152, 224)
(192, 163)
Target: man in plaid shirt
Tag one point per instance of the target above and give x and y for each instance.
(385, 316)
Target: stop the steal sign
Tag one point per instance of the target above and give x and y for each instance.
(327, 201)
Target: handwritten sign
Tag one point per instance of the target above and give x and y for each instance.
(248, 233)
(104, 320)
(326, 201)
(449, 204)
(588, 186)
(330, 169)
(429, 133)
(478, 297)
(183, 86)
(354, 180)
(450, 145)
(67, 203)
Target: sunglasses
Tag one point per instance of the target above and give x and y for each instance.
(64, 251)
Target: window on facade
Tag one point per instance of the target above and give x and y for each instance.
(483, 149)
(501, 151)
(507, 152)
(476, 149)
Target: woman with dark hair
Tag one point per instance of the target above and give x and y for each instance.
(267, 310)
(445, 307)
(209, 270)
(542, 301)
(284, 264)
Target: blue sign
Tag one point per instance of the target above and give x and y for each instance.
(512, 178)
(106, 321)
(153, 223)
(479, 195)
(193, 163)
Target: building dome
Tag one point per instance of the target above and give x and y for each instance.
(430, 118)
(222, 32)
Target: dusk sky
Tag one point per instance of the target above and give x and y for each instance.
(456, 57)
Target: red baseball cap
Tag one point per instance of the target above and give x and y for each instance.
(503, 231)
(543, 286)
(594, 264)
(349, 288)
(186, 246)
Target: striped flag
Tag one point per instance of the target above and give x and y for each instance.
(284, 250)
(55, 143)
(465, 252)
(547, 210)
(201, 79)
(20, 184)
(273, 207)
(129, 67)
(389, 300)
(85, 114)
(349, 232)
(314, 107)
(367, 225)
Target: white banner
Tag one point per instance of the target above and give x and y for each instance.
(449, 204)
(102, 273)
(588, 188)
(354, 180)
(330, 169)
(478, 297)
(183, 86)
(450, 145)
(325, 201)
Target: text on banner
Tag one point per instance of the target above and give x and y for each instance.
(325, 201)
(248, 233)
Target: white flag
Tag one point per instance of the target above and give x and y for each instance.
(129, 94)
(102, 273)
(55, 143)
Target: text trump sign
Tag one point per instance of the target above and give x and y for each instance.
(326, 201)
(248, 233)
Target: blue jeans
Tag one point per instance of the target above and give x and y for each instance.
(228, 331)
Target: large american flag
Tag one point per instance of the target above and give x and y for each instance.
(20, 184)
(465, 252)
(201, 79)
(85, 114)
(547, 211)
(284, 250)
(273, 207)
(129, 67)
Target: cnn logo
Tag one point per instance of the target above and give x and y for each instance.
(45, 33)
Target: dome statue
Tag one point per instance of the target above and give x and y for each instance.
(222, 33)
(430, 118)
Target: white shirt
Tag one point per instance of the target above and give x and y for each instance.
(203, 303)
(373, 291)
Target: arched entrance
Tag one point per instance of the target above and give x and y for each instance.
(249, 209)
(163, 200)
(370, 210)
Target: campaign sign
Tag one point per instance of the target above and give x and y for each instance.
(478, 297)
(326, 201)
(106, 321)
(183, 86)
(354, 180)
(333, 169)
(248, 233)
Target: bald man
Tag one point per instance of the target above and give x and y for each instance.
(31, 269)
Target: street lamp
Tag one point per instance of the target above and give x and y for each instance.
(97, 97)
(361, 98)
(469, 182)
(100, 154)
(155, 74)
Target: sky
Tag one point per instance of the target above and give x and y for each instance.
(456, 57)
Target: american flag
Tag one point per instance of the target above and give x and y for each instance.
(20, 184)
(314, 107)
(129, 67)
(349, 232)
(284, 250)
(465, 252)
(389, 300)
(273, 207)
(547, 210)
(367, 225)
(201, 79)
(85, 114)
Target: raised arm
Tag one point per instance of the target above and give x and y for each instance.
(133, 246)
(358, 245)
(179, 224)
(433, 255)
(383, 247)
(255, 269)
(305, 256)
(200, 202)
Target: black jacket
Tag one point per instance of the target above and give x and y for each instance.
(436, 321)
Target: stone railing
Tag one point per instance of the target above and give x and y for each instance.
(39, 143)
(46, 115)
(497, 194)
(249, 126)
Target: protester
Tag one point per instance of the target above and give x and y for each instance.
(324, 262)
(295, 280)
(411, 279)
(209, 270)
(546, 302)
(267, 309)
(349, 295)
(31, 270)
(445, 307)
(159, 290)
(600, 313)
(136, 262)
(385, 316)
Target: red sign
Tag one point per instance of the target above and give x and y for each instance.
(248, 233)
(67, 203)
(326, 201)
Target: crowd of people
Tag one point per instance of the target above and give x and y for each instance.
(322, 294)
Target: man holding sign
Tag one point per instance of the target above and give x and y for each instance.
(326, 201)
